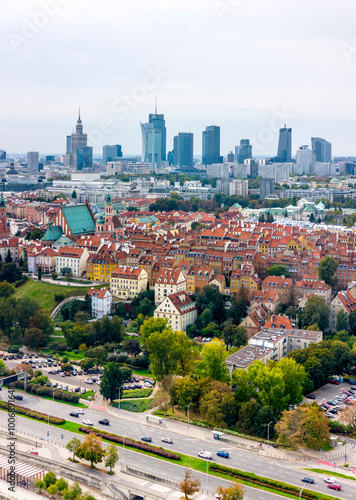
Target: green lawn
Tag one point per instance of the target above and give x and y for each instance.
(331, 474)
(45, 292)
(135, 405)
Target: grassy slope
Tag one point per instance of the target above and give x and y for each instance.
(45, 292)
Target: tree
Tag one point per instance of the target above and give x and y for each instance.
(352, 323)
(6, 290)
(72, 493)
(111, 380)
(326, 271)
(8, 257)
(233, 492)
(10, 272)
(278, 270)
(39, 483)
(91, 450)
(98, 354)
(211, 298)
(212, 363)
(52, 490)
(62, 483)
(132, 346)
(34, 338)
(43, 321)
(218, 405)
(73, 446)
(146, 307)
(26, 307)
(74, 194)
(234, 336)
(164, 352)
(152, 325)
(189, 486)
(39, 273)
(348, 417)
(247, 415)
(316, 312)
(264, 416)
(112, 457)
(49, 478)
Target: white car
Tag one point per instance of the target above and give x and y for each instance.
(87, 422)
(167, 440)
(89, 381)
(329, 480)
(205, 454)
(80, 411)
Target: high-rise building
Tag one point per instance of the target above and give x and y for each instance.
(244, 151)
(32, 161)
(238, 187)
(230, 157)
(305, 159)
(211, 145)
(144, 132)
(285, 145)
(50, 158)
(183, 149)
(157, 122)
(75, 142)
(111, 152)
(154, 148)
(2, 156)
(84, 158)
(266, 187)
(321, 149)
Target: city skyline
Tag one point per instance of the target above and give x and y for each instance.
(284, 62)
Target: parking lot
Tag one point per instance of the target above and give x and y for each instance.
(328, 392)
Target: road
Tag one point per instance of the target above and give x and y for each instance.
(276, 469)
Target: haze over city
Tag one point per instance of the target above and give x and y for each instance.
(237, 64)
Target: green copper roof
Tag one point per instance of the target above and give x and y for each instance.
(63, 241)
(79, 219)
(52, 233)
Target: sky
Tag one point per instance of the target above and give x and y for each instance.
(248, 66)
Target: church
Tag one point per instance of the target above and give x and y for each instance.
(108, 225)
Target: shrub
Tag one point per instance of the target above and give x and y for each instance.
(53, 346)
(140, 361)
(61, 347)
(120, 358)
(69, 349)
(114, 438)
(13, 350)
(76, 351)
(138, 393)
(59, 297)
(22, 410)
(339, 428)
(137, 406)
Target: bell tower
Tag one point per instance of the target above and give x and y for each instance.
(4, 227)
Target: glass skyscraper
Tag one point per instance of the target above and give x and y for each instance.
(111, 152)
(244, 151)
(157, 122)
(211, 145)
(285, 144)
(321, 149)
(183, 149)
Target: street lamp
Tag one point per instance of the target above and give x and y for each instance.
(300, 494)
(271, 422)
(188, 416)
(120, 398)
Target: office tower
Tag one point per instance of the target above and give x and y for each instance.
(50, 158)
(211, 145)
(230, 157)
(84, 158)
(145, 127)
(157, 122)
(285, 145)
(244, 151)
(111, 152)
(305, 159)
(32, 161)
(2, 156)
(68, 144)
(321, 149)
(266, 187)
(238, 187)
(170, 157)
(154, 148)
(183, 149)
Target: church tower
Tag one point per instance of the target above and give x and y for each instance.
(4, 227)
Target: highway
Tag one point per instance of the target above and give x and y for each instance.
(276, 469)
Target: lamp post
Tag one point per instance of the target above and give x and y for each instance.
(120, 398)
(300, 494)
(188, 416)
(271, 422)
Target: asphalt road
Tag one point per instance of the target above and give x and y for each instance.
(276, 469)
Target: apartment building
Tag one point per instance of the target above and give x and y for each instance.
(101, 302)
(180, 310)
(169, 282)
(127, 282)
(71, 260)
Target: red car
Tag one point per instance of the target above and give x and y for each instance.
(335, 382)
(334, 486)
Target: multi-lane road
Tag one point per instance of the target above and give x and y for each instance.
(276, 469)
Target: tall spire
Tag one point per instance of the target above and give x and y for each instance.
(79, 119)
(156, 105)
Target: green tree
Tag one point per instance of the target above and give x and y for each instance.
(8, 257)
(218, 405)
(6, 290)
(43, 321)
(162, 353)
(10, 272)
(62, 483)
(112, 457)
(152, 325)
(278, 270)
(316, 312)
(132, 346)
(352, 323)
(72, 493)
(234, 336)
(91, 449)
(26, 307)
(247, 415)
(73, 446)
(245, 390)
(211, 298)
(294, 377)
(49, 478)
(264, 416)
(39, 273)
(111, 380)
(52, 490)
(326, 271)
(183, 391)
(34, 338)
(39, 483)
(206, 317)
(74, 194)
(212, 361)
(270, 385)
(99, 355)
(146, 307)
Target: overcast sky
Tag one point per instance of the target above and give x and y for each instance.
(246, 65)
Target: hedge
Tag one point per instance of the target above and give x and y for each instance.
(41, 390)
(138, 393)
(266, 481)
(132, 443)
(135, 405)
(21, 410)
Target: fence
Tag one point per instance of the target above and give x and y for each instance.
(150, 476)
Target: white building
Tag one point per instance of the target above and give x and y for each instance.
(101, 301)
(167, 283)
(71, 259)
(180, 310)
(127, 282)
(238, 187)
(305, 159)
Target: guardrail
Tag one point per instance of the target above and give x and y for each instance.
(150, 476)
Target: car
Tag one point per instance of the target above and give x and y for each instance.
(352, 382)
(70, 389)
(77, 389)
(132, 386)
(89, 381)
(147, 385)
(54, 384)
(39, 365)
(87, 422)
(223, 454)
(55, 364)
(205, 454)
(60, 387)
(309, 480)
(52, 372)
(334, 486)
(83, 391)
(30, 356)
(167, 440)
(104, 421)
(74, 414)
(329, 415)
(329, 480)
(147, 439)
(59, 363)
(48, 384)
(25, 356)
(74, 373)
(44, 365)
(61, 374)
(80, 411)
(332, 403)
(4, 358)
(335, 382)
(333, 411)
(79, 372)
(310, 396)
(138, 386)
(67, 374)
(36, 356)
(353, 387)
(65, 388)
(136, 379)
(100, 371)
(18, 397)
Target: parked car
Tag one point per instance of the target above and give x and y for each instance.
(61, 374)
(60, 387)
(335, 382)
(89, 381)
(309, 480)
(74, 414)
(353, 387)
(332, 403)
(77, 389)
(70, 389)
(205, 454)
(65, 388)
(167, 440)
(80, 411)
(48, 384)
(83, 391)
(147, 439)
(104, 421)
(310, 396)
(223, 454)
(54, 384)
(87, 422)
(18, 397)
(334, 486)
(138, 386)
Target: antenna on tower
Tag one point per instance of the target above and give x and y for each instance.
(156, 105)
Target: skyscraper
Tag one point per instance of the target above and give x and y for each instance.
(32, 161)
(157, 122)
(321, 149)
(111, 152)
(2, 156)
(266, 187)
(305, 159)
(154, 147)
(183, 150)
(78, 140)
(211, 145)
(244, 151)
(285, 144)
